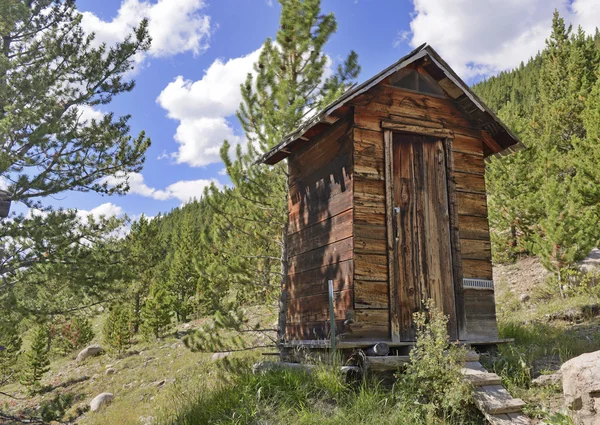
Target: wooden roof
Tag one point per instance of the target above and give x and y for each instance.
(504, 140)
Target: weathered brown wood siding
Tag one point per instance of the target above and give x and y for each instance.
(321, 232)
(371, 299)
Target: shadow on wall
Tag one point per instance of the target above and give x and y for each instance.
(320, 241)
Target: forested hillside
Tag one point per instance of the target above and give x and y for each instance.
(544, 199)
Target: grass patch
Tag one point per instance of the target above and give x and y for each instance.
(292, 397)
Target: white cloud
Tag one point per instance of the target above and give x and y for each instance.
(483, 37)
(88, 113)
(176, 26)
(203, 106)
(107, 209)
(183, 190)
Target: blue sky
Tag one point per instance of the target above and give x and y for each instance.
(187, 85)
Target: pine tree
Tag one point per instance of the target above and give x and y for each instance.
(568, 230)
(182, 273)
(564, 232)
(145, 251)
(288, 85)
(49, 71)
(36, 358)
(156, 313)
(10, 341)
(117, 330)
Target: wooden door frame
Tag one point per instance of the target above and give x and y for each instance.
(447, 136)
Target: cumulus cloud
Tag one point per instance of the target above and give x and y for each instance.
(107, 209)
(176, 26)
(203, 107)
(483, 37)
(183, 190)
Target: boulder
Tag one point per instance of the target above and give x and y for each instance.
(110, 371)
(547, 380)
(92, 350)
(100, 400)
(581, 387)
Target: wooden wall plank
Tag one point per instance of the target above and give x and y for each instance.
(477, 269)
(371, 267)
(369, 324)
(469, 145)
(481, 314)
(474, 204)
(312, 330)
(468, 163)
(473, 227)
(320, 234)
(315, 281)
(364, 215)
(317, 258)
(473, 249)
(368, 294)
(468, 182)
(364, 245)
(314, 308)
(305, 216)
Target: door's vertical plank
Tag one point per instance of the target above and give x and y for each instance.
(392, 247)
(431, 228)
(444, 250)
(421, 277)
(457, 274)
(403, 194)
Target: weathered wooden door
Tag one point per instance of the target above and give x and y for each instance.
(422, 249)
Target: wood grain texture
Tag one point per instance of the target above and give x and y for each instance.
(369, 324)
(473, 249)
(320, 234)
(468, 163)
(469, 182)
(471, 227)
(457, 270)
(474, 204)
(317, 258)
(416, 129)
(477, 269)
(312, 282)
(314, 308)
(423, 246)
(369, 294)
(371, 267)
(391, 232)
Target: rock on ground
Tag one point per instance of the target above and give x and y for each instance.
(92, 350)
(110, 371)
(100, 400)
(581, 387)
(547, 380)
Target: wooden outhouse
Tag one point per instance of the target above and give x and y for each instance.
(387, 199)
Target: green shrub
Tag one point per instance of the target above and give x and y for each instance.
(433, 385)
(54, 409)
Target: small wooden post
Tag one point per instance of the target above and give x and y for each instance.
(331, 316)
